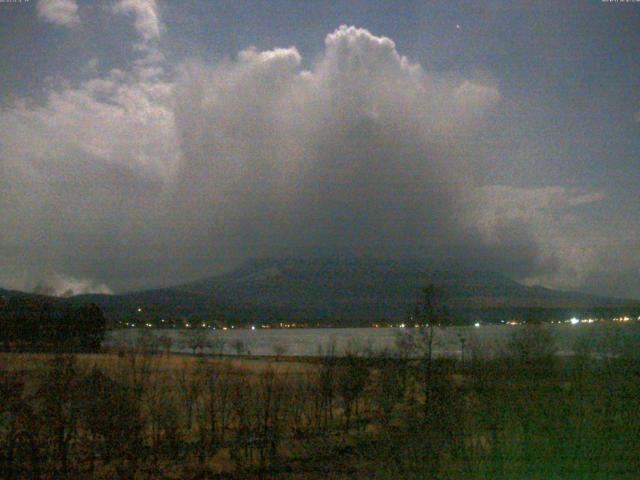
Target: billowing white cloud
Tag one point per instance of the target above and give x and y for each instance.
(567, 251)
(62, 286)
(129, 180)
(81, 176)
(59, 12)
(355, 154)
(145, 13)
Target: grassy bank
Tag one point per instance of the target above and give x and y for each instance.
(168, 416)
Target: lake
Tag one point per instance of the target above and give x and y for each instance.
(487, 340)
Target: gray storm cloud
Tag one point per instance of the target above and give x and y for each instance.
(133, 180)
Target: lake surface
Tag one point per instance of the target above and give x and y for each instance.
(486, 340)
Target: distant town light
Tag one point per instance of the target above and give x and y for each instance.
(574, 321)
(253, 327)
(477, 324)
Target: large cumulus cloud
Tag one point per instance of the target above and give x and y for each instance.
(360, 154)
(142, 178)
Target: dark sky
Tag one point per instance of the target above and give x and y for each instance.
(146, 143)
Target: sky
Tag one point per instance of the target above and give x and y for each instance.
(146, 143)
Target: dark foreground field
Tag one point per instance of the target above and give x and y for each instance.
(521, 415)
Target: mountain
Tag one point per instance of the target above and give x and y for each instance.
(348, 291)
(358, 289)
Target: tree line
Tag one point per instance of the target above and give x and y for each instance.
(518, 412)
(31, 324)
(522, 413)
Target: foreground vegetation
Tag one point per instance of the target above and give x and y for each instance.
(521, 414)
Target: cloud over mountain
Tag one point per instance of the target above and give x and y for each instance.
(59, 12)
(137, 178)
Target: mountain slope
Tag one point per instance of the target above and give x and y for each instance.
(347, 291)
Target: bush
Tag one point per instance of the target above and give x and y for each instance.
(532, 346)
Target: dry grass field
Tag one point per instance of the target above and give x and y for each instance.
(134, 415)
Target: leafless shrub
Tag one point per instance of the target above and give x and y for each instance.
(389, 386)
(216, 345)
(533, 346)
(279, 349)
(239, 346)
(146, 342)
(351, 378)
(165, 342)
(196, 340)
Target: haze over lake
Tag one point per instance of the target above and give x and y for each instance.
(486, 340)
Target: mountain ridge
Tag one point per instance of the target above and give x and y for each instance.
(346, 291)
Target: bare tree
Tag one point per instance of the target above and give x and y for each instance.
(238, 346)
(147, 342)
(165, 342)
(326, 383)
(406, 348)
(217, 345)
(300, 401)
(197, 340)
(116, 436)
(352, 378)
(60, 404)
(217, 402)
(190, 383)
(430, 310)
(389, 387)
(463, 341)
(269, 424)
(20, 453)
(532, 345)
(279, 349)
